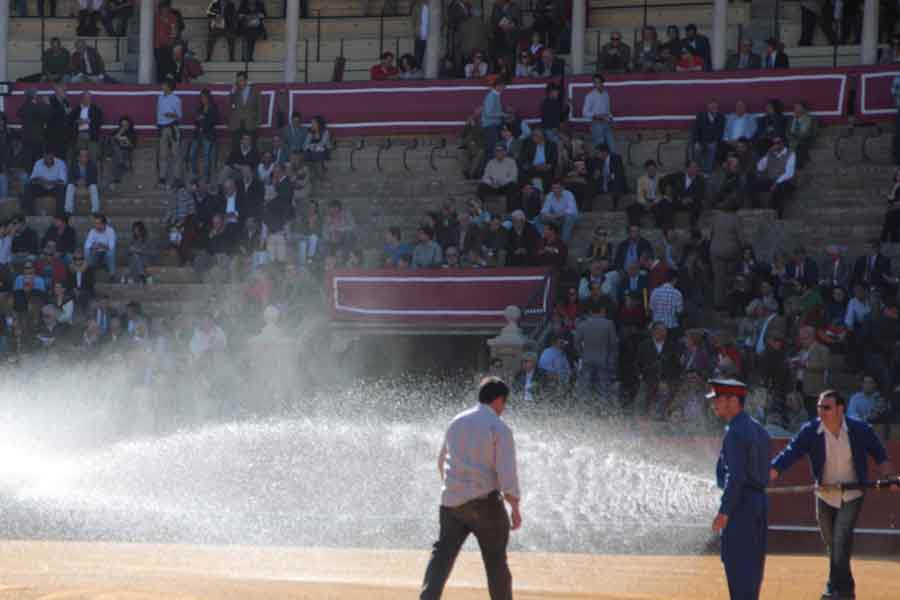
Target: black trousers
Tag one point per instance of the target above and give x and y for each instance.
(779, 197)
(33, 191)
(510, 191)
(215, 34)
(486, 518)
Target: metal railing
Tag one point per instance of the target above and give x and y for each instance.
(357, 147)
(870, 130)
(436, 147)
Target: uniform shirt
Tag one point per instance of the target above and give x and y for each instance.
(480, 457)
(838, 466)
(743, 464)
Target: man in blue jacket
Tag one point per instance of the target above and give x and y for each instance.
(742, 474)
(838, 448)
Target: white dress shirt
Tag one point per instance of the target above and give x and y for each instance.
(838, 466)
(789, 167)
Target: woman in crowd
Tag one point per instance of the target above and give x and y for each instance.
(251, 25)
(409, 68)
(772, 124)
(525, 65)
(64, 300)
(477, 67)
(568, 309)
(141, 251)
(204, 141)
(890, 231)
(81, 278)
(317, 147)
(122, 143)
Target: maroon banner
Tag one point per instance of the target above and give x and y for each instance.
(394, 107)
(873, 99)
(439, 297)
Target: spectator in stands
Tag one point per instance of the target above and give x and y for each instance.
(770, 125)
(427, 253)
(525, 66)
(317, 147)
(776, 175)
(553, 113)
(552, 251)
(775, 56)
(244, 116)
(597, 109)
(83, 173)
(221, 18)
(243, 155)
(180, 217)
(658, 363)
(393, 248)
(549, 65)
(477, 67)
(56, 61)
(529, 380)
(667, 304)
(251, 16)
(735, 186)
(560, 209)
(810, 13)
(615, 57)
(30, 272)
(60, 122)
(811, 364)
(48, 177)
(597, 344)
(738, 125)
(522, 242)
(707, 134)
(205, 121)
(87, 65)
(61, 235)
(867, 404)
(698, 44)
(165, 33)
(33, 115)
(168, 116)
(689, 62)
(881, 340)
(696, 356)
(122, 143)
(673, 41)
(185, 68)
(80, 278)
(801, 132)
(100, 245)
(645, 54)
(554, 363)
(631, 248)
(141, 251)
(294, 134)
(501, 176)
(649, 195)
(539, 160)
(506, 19)
(115, 15)
(229, 202)
(64, 302)
(874, 269)
(608, 170)
(385, 69)
(492, 118)
(88, 15)
(835, 271)
(24, 242)
(687, 190)
(409, 68)
(338, 230)
(88, 119)
(745, 58)
(802, 270)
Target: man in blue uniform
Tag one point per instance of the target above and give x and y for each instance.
(742, 473)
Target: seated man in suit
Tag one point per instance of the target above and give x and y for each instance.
(608, 171)
(252, 193)
(745, 58)
(802, 269)
(775, 56)
(538, 161)
(658, 363)
(874, 270)
(687, 190)
(242, 154)
(709, 127)
(775, 174)
(835, 270)
(83, 172)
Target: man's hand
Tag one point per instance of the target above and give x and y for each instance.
(516, 517)
(719, 523)
(774, 474)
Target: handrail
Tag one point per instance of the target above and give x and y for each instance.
(385, 145)
(319, 35)
(436, 148)
(636, 139)
(413, 144)
(305, 60)
(356, 148)
(844, 133)
(667, 139)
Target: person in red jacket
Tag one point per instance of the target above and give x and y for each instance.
(386, 69)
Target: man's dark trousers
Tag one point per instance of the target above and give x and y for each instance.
(486, 518)
(836, 526)
(744, 546)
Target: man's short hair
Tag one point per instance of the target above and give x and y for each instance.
(835, 395)
(387, 54)
(649, 163)
(602, 147)
(395, 231)
(492, 388)
(553, 227)
(599, 77)
(690, 27)
(427, 231)
(240, 74)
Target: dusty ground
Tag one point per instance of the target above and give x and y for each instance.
(89, 571)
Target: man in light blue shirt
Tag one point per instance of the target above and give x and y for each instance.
(739, 124)
(168, 114)
(48, 178)
(560, 208)
(554, 362)
(492, 117)
(597, 110)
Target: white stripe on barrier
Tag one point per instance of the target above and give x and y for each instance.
(862, 102)
(811, 529)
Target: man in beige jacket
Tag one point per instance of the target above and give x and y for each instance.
(501, 175)
(244, 104)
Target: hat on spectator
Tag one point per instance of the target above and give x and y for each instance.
(726, 387)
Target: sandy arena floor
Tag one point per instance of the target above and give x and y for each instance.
(89, 571)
